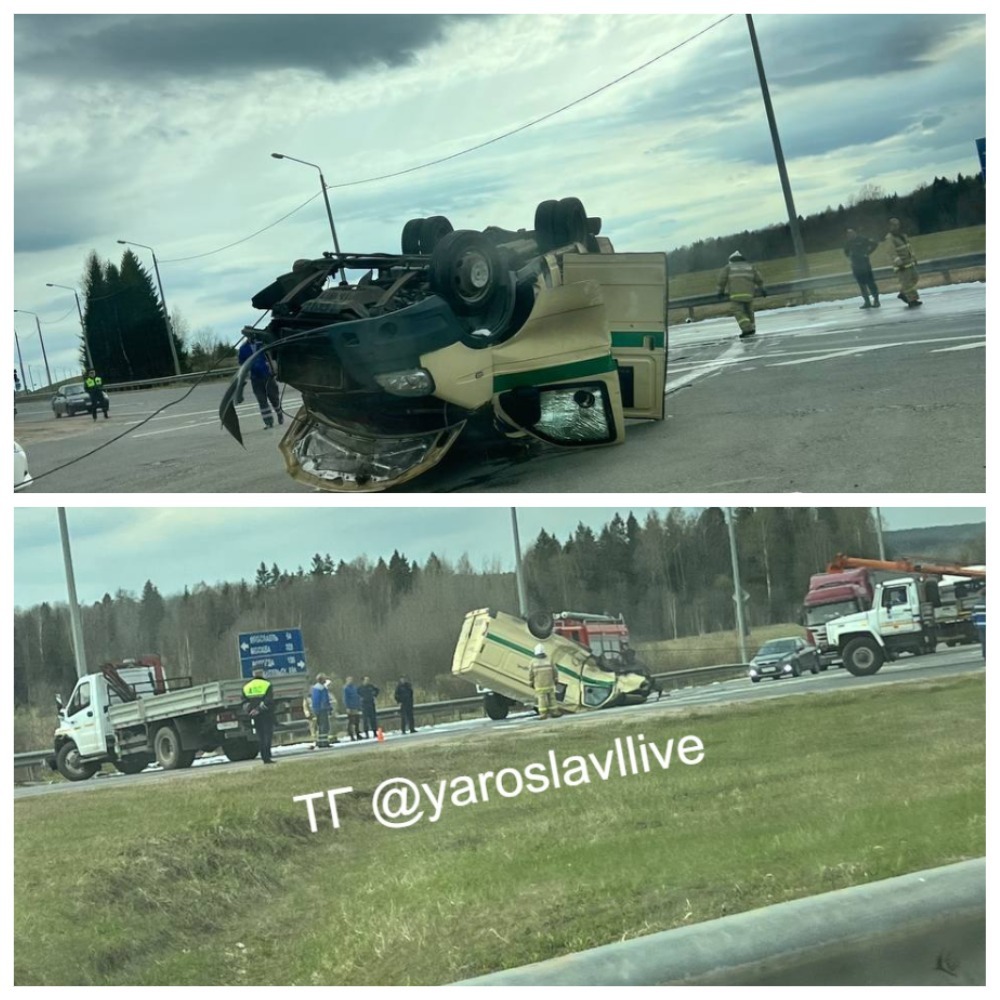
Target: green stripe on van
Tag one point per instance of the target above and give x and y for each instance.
(517, 648)
(632, 338)
(557, 373)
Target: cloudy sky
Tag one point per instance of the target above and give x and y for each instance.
(158, 129)
(124, 547)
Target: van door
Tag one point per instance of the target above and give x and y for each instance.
(634, 289)
(85, 716)
(556, 379)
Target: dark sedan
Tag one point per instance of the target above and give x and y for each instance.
(786, 657)
(71, 400)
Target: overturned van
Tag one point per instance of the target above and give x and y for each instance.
(544, 334)
(494, 651)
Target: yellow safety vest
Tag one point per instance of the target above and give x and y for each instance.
(257, 687)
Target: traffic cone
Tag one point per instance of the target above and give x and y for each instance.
(379, 735)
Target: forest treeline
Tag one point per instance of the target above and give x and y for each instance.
(941, 205)
(670, 575)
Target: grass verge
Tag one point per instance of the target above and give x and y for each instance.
(220, 881)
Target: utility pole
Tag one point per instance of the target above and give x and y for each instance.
(522, 600)
(74, 608)
(786, 187)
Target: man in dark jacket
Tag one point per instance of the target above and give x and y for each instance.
(258, 703)
(369, 717)
(857, 249)
(263, 382)
(352, 706)
(404, 698)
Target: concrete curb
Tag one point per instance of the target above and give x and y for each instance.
(922, 929)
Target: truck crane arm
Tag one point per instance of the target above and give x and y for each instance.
(841, 562)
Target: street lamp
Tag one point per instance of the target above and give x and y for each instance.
(326, 198)
(76, 629)
(83, 326)
(166, 314)
(40, 341)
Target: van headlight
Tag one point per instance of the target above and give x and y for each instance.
(412, 382)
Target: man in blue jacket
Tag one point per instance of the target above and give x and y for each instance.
(352, 705)
(321, 707)
(263, 382)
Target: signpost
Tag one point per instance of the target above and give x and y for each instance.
(276, 651)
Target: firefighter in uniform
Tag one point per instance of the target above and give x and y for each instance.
(258, 703)
(741, 280)
(94, 385)
(904, 263)
(542, 674)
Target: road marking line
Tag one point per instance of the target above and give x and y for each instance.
(963, 347)
(865, 349)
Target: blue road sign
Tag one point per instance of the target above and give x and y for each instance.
(277, 651)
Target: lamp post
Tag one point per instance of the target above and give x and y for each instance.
(166, 314)
(83, 326)
(76, 629)
(326, 199)
(40, 341)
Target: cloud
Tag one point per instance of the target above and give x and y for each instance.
(147, 49)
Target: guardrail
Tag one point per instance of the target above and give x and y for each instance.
(942, 265)
(926, 928)
(149, 383)
(36, 758)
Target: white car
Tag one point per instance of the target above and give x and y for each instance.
(22, 478)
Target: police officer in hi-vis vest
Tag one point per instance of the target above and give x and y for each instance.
(258, 703)
(94, 385)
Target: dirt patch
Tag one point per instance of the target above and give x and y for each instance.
(53, 430)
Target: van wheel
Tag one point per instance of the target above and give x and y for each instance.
(465, 270)
(540, 624)
(572, 221)
(133, 765)
(863, 657)
(496, 706)
(70, 766)
(170, 754)
(410, 239)
(546, 225)
(432, 231)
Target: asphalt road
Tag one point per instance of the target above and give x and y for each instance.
(947, 663)
(826, 398)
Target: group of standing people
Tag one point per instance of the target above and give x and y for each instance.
(742, 282)
(362, 714)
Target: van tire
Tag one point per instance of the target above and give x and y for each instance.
(863, 657)
(170, 753)
(496, 706)
(70, 766)
(410, 240)
(540, 624)
(432, 231)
